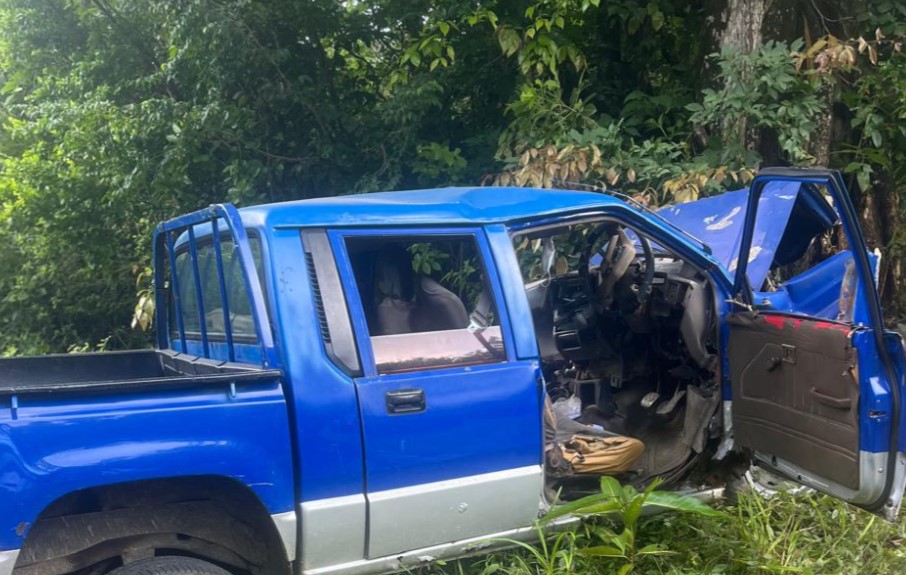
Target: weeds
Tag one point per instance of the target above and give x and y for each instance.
(627, 504)
(788, 534)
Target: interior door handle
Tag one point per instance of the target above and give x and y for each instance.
(773, 363)
(405, 401)
(838, 402)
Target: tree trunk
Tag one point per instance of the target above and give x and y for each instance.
(742, 24)
(737, 25)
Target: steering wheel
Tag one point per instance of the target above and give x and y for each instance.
(617, 254)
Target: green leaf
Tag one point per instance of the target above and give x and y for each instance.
(601, 508)
(625, 540)
(602, 551)
(509, 40)
(657, 20)
(863, 177)
(575, 506)
(610, 487)
(444, 28)
(876, 138)
(633, 511)
(682, 503)
(654, 549)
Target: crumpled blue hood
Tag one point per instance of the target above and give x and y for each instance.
(718, 221)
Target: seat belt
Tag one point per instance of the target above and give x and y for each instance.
(480, 317)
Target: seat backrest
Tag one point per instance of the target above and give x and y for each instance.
(437, 308)
(393, 292)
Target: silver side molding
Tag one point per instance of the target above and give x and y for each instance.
(872, 477)
(452, 510)
(892, 509)
(473, 545)
(286, 528)
(457, 549)
(8, 561)
(333, 531)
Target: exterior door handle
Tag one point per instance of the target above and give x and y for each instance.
(403, 401)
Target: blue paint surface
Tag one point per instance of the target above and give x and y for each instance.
(719, 222)
(66, 442)
(436, 207)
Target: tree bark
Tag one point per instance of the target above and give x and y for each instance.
(743, 21)
(737, 25)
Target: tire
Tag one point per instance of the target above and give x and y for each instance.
(172, 565)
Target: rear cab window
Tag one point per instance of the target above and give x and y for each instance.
(238, 301)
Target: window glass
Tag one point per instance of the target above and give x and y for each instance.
(238, 300)
(558, 251)
(426, 301)
(561, 247)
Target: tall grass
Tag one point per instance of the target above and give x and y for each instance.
(805, 534)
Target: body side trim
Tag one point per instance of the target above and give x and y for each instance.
(333, 531)
(419, 557)
(286, 525)
(473, 545)
(8, 561)
(453, 510)
(872, 476)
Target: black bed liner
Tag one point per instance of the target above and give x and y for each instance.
(120, 370)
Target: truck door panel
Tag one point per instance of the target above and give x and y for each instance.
(815, 392)
(451, 419)
(796, 392)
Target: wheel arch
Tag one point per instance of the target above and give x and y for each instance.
(215, 518)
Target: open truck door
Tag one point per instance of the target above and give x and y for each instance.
(817, 382)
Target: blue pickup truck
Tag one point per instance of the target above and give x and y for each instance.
(360, 384)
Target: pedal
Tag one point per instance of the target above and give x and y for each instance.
(650, 399)
(667, 407)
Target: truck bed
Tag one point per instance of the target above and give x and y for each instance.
(120, 370)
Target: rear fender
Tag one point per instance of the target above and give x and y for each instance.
(52, 445)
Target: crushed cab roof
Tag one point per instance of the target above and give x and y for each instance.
(419, 207)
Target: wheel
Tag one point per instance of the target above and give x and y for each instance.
(172, 565)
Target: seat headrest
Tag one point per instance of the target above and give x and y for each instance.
(393, 274)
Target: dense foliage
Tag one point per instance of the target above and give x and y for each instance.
(807, 534)
(119, 113)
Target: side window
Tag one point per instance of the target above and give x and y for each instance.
(427, 302)
(241, 319)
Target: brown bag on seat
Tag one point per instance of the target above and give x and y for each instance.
(592, 455)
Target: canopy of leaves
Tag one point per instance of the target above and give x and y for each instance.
(117, 114)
